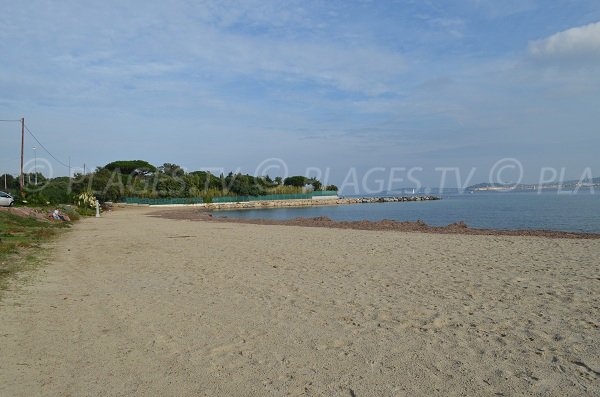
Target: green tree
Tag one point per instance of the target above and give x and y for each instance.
(56, 191)
(140, 167)
(244, 185)
(169, 186)
(201, 182)
(171, 169)
(107, 185)
(297, 181)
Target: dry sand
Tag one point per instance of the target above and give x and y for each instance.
(138, 305)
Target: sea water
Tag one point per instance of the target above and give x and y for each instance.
(550, 210)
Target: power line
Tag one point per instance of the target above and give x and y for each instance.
(11, 120)
(43, 147)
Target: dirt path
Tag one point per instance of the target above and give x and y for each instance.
(137, 305)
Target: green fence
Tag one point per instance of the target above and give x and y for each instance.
(324, 193)
(226, 199)
(269, 197)
(163, 201)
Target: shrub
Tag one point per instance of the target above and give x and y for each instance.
(86, 200)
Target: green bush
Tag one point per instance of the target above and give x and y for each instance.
(86, 211)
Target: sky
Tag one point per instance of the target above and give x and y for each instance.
(290, 87)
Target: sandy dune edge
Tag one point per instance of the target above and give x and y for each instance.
(136, 305)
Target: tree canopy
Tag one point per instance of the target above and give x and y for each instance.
(139, 178)
(131, 167)
(297, 181)
(171, 169)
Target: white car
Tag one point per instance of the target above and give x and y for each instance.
(6, 200)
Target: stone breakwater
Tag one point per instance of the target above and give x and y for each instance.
(312, 203)
(397, 199)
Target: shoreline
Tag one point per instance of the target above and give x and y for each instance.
(383, 225)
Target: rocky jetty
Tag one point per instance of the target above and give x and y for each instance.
(334, 200)
(309, 203)
(397, 199)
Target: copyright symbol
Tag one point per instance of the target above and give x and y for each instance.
(39, 166)
(276, 164)
(507, 166)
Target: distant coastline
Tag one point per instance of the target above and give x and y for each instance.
(566, 185)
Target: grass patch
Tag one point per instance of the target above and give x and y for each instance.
(20, 238)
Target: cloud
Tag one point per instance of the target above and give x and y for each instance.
(105, 64)
(386, 80)
(263, 42)
(367, 70)
(577, 43)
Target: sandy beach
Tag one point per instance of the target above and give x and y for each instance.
(131, 304)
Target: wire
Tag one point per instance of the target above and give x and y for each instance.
(43, 147)
(10, 120)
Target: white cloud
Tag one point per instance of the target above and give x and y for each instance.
(368, 70)
(579, 42)
(268, 41)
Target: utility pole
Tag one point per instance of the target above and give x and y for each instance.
(35, 164)
(69, 166)
(21, 178)
(83, 168)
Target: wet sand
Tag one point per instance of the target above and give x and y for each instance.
(133, 304)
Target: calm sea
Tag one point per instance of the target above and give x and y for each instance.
(508, 210)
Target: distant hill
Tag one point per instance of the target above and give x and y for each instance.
(593, 182)
(490, 186)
